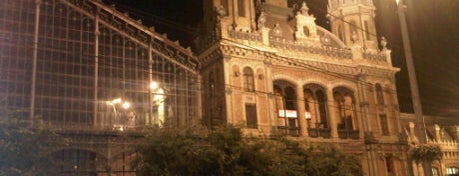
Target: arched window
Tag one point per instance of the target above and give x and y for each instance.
(286, 103)
(344, 103)
(316, 105)
(248, 80)
(348, 112)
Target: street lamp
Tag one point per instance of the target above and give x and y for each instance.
(118, 125)
(421, 133)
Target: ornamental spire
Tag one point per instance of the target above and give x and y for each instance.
(304, 9)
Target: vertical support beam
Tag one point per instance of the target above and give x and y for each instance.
(270, 97)
(198, 105)
(228, 94)
(331, 111)
(96, 66)
(301, 110)
(35, 59)
(149, 118)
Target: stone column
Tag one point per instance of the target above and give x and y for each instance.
(301, 110)
(332, 115)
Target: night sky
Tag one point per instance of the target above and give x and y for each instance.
(433, 27)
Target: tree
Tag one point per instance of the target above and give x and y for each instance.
(425, 152)
(226, 152)
(25, 149)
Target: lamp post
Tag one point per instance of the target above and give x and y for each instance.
(125, 105)
(417, 107)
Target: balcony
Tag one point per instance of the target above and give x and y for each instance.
(348, 134)
(319, 132)
(288, 131)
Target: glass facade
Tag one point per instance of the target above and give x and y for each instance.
(65, 62)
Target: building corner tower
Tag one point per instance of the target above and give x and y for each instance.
(353, 22)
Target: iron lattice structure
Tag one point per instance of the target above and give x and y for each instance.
(73, 63)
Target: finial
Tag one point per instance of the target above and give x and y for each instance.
(304, 9)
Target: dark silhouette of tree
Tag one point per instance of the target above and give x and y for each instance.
(25, 148)
(225, 151)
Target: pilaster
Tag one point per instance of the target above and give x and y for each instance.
(331, 106)
(301, 110)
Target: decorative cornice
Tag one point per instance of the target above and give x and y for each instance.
(377, 71)
(315, 65)
(210, 57)
(313, 61)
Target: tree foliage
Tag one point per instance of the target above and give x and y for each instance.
(425, 152)
(25, 149)
(226, 152)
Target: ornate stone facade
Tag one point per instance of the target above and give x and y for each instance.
(286, 76)
(262, 64)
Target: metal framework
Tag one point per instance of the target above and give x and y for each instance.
(82, 64)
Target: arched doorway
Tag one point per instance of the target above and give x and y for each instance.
(79, 162)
